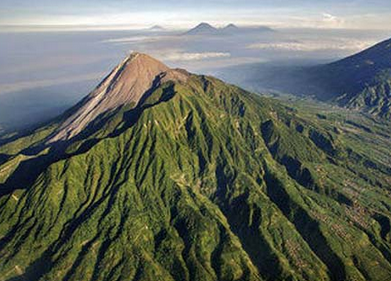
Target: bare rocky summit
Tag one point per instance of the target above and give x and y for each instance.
(125, 85)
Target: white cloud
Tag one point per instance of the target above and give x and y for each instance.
(332, 21)
(345, 44)
(131, 39)
(184, 56)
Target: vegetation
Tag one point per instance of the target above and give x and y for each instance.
(201, 181)
(359, 82)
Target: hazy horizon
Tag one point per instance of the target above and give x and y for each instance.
(352, 14)
(53, 53)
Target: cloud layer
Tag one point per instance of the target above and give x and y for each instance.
(311, 46)
(184, 56)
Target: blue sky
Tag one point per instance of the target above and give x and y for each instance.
(374, 14)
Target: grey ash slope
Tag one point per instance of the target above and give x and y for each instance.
(125, 85)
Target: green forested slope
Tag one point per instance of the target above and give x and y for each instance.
(201, 181)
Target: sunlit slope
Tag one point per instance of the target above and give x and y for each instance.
(200, 181)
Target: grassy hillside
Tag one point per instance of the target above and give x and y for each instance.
(202, 181)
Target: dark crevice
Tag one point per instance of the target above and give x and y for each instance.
(4, 158)
(237, 212)
(385, 226)
(295, 168)
(83, 252)
(298, 172)
(306, 226)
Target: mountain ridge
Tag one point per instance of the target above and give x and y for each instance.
(156, 28)
(202, 28)
(361, 81)
(230, 29)
(200, 180)
(125, 85)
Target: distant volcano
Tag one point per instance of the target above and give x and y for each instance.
(202, 29)
(125, 85)
(230, 29)
(156, 28)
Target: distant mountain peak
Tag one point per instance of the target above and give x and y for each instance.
(204, 24)
(230, 29)
(202, 28)
(231, 26)
(156, 28)
(125, 85)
